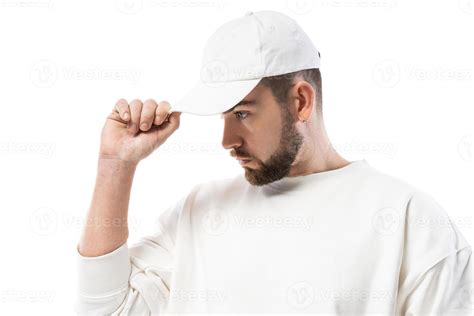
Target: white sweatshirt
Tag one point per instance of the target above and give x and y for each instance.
(350, 241)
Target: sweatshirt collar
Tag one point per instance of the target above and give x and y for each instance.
(289, 183)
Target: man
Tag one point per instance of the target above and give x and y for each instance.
(303, 230)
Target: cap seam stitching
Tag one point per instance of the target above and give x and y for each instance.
(258, 22)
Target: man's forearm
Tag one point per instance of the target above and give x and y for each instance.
(106, 227)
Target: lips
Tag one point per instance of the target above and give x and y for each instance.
(243, 161)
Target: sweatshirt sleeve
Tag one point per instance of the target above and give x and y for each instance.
(130, 280)
(436, 269)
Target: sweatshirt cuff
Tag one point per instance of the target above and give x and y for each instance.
(104, 275)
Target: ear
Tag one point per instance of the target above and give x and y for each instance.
(302, 95)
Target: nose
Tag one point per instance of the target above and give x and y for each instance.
(230, 137)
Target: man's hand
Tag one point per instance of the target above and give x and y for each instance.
(133, 131)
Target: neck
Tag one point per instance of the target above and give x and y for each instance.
(316, 154)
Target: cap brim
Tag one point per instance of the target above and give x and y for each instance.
(214, 98)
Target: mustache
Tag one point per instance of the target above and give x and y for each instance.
(239, 154)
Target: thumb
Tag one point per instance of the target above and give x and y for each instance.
(174, 119)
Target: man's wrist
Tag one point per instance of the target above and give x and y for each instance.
(116, 164)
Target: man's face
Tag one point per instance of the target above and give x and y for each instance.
(263, 131)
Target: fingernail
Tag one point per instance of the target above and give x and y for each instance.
(125, 116)
(144, 125)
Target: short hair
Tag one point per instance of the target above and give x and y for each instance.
(281, 84)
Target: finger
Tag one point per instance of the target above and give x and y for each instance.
(167, 118)
(172, 124)
(135, 113)
(175, 119)
(159, 134)
(162, 112)
(122, 108)
(148, 114)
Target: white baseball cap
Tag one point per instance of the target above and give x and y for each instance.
(240, 53)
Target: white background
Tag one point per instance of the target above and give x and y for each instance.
(398, 92)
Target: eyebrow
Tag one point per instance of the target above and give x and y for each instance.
(243, 102)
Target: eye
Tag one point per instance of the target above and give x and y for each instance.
(238, 113)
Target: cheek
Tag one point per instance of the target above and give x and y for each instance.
(264, 140)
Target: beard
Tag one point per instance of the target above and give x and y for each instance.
(279, 164)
